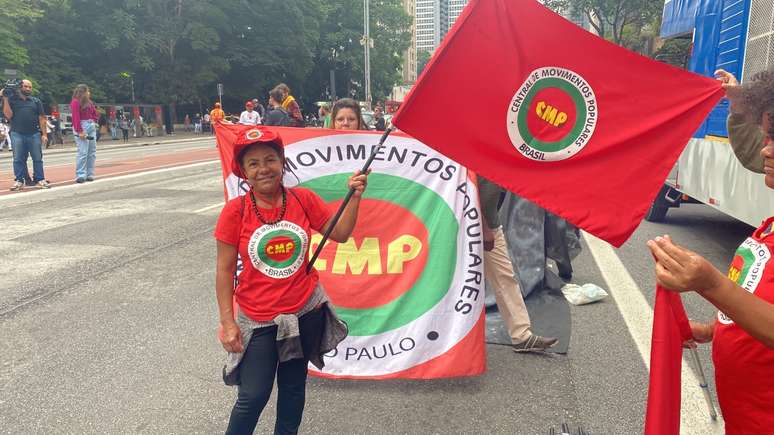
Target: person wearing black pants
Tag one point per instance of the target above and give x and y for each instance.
(277, 295)
(256, 371)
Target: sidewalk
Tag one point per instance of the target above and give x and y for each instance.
(106, 142)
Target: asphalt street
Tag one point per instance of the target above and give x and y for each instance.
(108, 319)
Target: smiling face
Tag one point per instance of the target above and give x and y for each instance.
(262, 167)
(346, 119)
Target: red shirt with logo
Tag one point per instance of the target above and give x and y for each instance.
(274, 257)
(744, 367)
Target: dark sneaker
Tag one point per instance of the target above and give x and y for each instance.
(80, 180)
(17, 185)
(535, 343)
(89, 178)
(43, 184)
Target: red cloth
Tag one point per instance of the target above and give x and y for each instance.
(670, 330)
(82, 114)
(744, 366)
(613, 121)
(274, 280)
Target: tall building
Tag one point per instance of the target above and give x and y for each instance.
(432, 23)
(455, 9)
(410, 55)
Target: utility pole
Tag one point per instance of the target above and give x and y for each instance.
(368, 44)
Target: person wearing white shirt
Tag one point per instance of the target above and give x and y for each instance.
(249, 116)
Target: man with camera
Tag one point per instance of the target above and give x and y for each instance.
(28, 132)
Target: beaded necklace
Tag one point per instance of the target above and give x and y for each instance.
(282, 211)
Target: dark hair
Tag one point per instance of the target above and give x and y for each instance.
(276, 95)
(347, 103)
(758, 98)
(279, 149)
(273, 145)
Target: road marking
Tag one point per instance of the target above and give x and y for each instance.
(220, 204)
(68, 185)
(638, 316)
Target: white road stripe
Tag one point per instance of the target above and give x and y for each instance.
(638, 316)
(107, 178)
(220, 204)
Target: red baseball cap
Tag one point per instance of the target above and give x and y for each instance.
(251, 135)
(249, 104)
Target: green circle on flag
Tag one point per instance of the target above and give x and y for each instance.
(580, 118)
(436, 278)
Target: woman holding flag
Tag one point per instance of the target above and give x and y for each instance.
(277, 319)
(743, 334)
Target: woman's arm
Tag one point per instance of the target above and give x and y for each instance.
(682, 270)
(75, 112)
(231, 338)
(346, 223)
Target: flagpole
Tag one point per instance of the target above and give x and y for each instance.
(703, 384)
(347, 198)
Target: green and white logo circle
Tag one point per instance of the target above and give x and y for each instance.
(747, 268)
(277, 250)
(553, 114)
(443, 300)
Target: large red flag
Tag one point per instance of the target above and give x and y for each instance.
(670, 330)
(580, 126)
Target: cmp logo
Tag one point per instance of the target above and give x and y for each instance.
(253, 134)
(552, 116)
(408, 282)
(746, 269)
(276, 250)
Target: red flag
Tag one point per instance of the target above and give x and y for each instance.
(670, 330)
(580, 126)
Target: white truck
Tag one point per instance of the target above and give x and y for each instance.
(737, 36)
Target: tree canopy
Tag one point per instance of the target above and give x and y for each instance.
(176, 51)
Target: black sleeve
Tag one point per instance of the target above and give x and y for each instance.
(39, 105)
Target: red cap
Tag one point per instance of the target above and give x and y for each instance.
(251, 135)
(249, 104)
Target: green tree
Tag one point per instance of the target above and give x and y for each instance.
(14, 14)
(621, 21)
(423, 57)
(340, 48)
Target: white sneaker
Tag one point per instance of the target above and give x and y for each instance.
(17, 185)
(43, 184)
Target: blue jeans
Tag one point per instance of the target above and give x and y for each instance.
(27, 145)
(86, 154)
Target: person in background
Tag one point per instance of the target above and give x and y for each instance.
(291, 106)
(275, 114)
(379, 122)
(347, 115)
(187, 123)
(28, 133)
(325, 116)
(85, 126)
(259, 107)
(742, 335)
(123, 124)
(249, 116)
(217, 115)
(197, 122)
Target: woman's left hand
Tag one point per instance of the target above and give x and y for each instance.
(358, 182)
(680, 269)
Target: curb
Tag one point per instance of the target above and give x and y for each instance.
(8, 155)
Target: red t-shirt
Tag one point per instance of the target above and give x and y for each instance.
(744, 367)
(274, 280)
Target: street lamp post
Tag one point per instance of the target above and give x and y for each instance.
(367, 43)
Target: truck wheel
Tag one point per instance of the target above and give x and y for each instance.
(656, 212)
